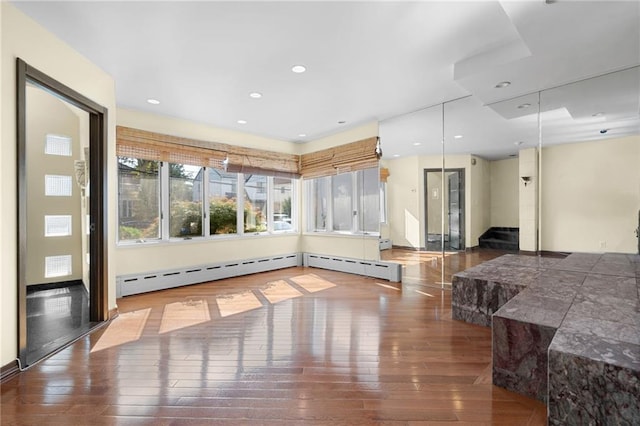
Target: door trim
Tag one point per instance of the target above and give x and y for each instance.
(98, 243)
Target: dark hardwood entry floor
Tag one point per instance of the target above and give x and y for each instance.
(290, 347)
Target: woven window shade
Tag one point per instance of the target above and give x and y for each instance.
(136, 143)
(340, 159)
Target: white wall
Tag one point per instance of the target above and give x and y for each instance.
(504, 193)
(591, 196)
(22, 37)
(528, 200)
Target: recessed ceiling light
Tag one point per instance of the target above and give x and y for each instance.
(598, 114)
(302, 135)
(298, 69)
(518, 143)
(242, 121)
(503, 84)
(513, 155)
(603, 131)
(255, 95)
(341, 122)
(153, 101)
(396, 155)
(457, 137)
(523, 106)
(416, 143)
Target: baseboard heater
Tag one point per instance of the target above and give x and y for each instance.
(127, 285)
(384, 270)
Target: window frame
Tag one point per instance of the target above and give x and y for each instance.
(357, 191)
(165, 201)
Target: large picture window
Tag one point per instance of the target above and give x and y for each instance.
(138, 199)
(185, 200)
(223, 202)
(199, 202)
(345, 203)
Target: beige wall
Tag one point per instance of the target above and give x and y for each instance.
(479, 209)
(403, 208)
(528, 200)
(21, 37)
(504, 193)
(591, 196)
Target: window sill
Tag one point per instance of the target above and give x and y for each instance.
(201, 240)
(365, 235)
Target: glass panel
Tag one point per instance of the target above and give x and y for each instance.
(223, 202)
(255, 203)
(281, 199)
(590, 174)
(318, 190)
(342, 194)
(185, 200)
(368, 200)
(138, 199)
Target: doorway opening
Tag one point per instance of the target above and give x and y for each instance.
(62, 224)
(444, 209)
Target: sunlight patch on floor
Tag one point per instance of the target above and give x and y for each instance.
(237, 303)
(127, 327)
(183, 314)
(388, 286)
(277, 291)
(312, 283)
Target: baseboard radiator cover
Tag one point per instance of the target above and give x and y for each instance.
(385, 244)
(389, 271)
(127, 285)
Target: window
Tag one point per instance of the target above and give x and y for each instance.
(352, 199)
(223, 202)
(185, 200)
(281, 198)
(255, 203)
(138, 199)
(342, 199)
(318, 190)
(368, 186)
(199, 207)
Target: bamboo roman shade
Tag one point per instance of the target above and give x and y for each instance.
(340, 159)
(137, 143)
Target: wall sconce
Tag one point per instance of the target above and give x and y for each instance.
(526, 179)
(378, 149)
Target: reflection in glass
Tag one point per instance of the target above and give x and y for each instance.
(223, 193)
(139, 199)
(281, 197)
(255, 203)
(185, 200)
(342, 191)
(318, 190)
(590, 178)
(369, 200)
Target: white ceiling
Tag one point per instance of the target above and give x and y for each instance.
(366, 60)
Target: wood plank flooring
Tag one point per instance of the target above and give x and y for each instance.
(290, 347)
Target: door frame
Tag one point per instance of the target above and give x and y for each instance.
(98, 244)
(463, 215)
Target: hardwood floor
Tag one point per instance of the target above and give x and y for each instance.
(296, 346)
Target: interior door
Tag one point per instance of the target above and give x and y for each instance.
(454, 210)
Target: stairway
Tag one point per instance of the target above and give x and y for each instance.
(501, 238)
